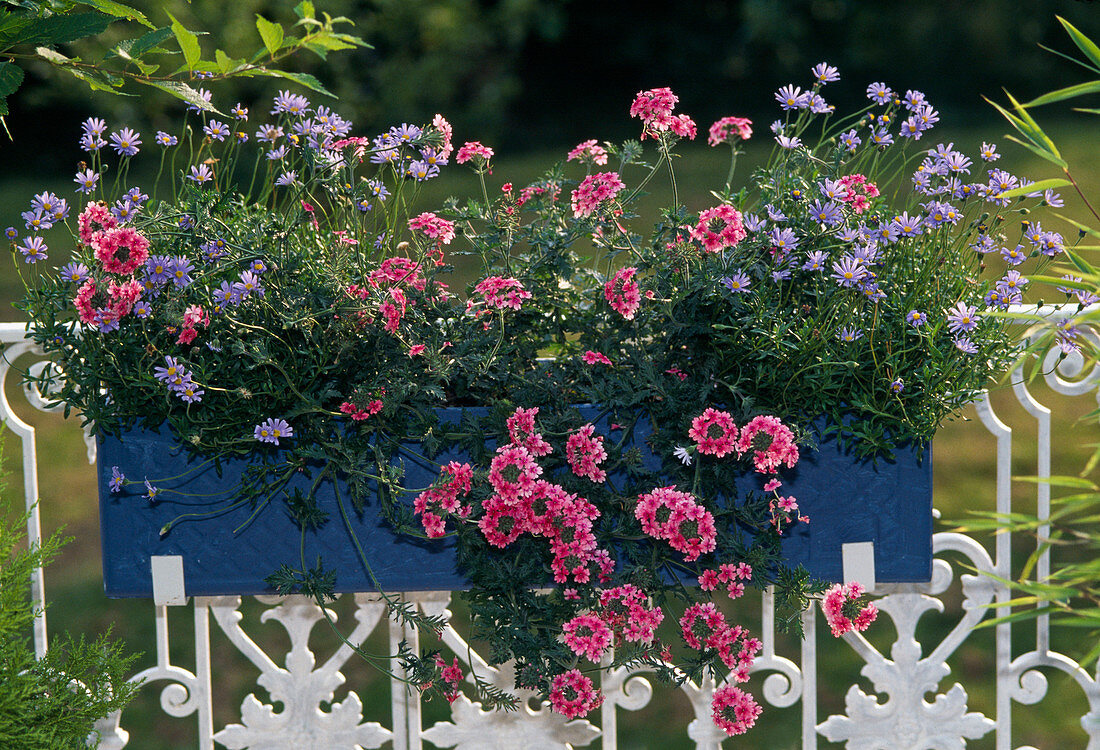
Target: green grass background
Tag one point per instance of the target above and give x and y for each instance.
(964, 480)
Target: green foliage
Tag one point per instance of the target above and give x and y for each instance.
(36, 29)
(50, 703)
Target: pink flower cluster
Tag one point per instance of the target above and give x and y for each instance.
(654, 109)
(704, 627)
(394, 271)
(588, 152)
(393, 309)
(733, 576)
(594, 190)
(587, 635)
(859, 199)
(733, 710)
(193, 316)
(500, 293)
(120, 251)
(714, 433)
(475, 152)
(677, 518)
(719, 227)
(361, 413)
(521, 431)
(625, 610)
(845, 610)
(585, 452)
(770, 442)
(443, 498)
(623, 293)
(439, 122)
(729, 130)
(436, 228)
(572, 694)
(451, 676)
(593, 358)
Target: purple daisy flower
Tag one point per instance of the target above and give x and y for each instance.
(850, 140)
(287, 179)
(848, 271)
(95, 126)
(277, 154)
(1014, 256)
(239, 112)
(33, 249)
(791, 97)
(827, 213)
(786, 142)
(377, 189)
(257, 266)
(916, 318)
(897, 385)
(269, 133)
(165, 139)
(913, 100)
(186, 222)
(180, 271)
(11, 233)
(421, 171)
(217, 130)
(1052, 199)
(738, 283)
(125, 142)
(965, 345)
(172, 371)
(150, 491)
(988, 152)
(825, 73)
(1066, 333)
(783, 239)
(774, 213)
(117, 478)
(142, 309)
(225, 296)
(75, 272)
(158, 269)
(879, 93)
(201, 174)
(908, 226)
(962, 318)
(753, 223)
(36, 221)
(91, 143)
(248, 285)
(271, 430)
(833, 190)
(405, 133)
(882, 137)
(86, 181)
(815, 261)
(849, 334)
(190, 392)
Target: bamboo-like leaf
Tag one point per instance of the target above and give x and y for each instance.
(1035, 187)
(1069, 92)
(1040, 153)
(1082, 227)
(189, 43)
(271, 33)
(1087, 111)
(118, 10)
(181, 90)
(1086, 45)
(1034, 132)
(305, 79)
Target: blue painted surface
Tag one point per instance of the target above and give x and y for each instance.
(846, 500)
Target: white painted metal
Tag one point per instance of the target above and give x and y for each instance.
(297, 705)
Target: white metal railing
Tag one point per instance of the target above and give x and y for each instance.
(908, 708)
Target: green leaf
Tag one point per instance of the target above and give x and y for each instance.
(3, 113)
(227, 64)
(1087, 111)
(1035, 187)
(1086, 45)
(131, 48)
(181, 90)
(1032, 129)
(305, 9)
(189, 43)
(53, 56)
(1039, 152)
(57, 29)
(271, 33)
(11, 75)
(118, 10)
(304, 79)
(1089, 87)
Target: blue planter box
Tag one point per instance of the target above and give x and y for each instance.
(888, 503)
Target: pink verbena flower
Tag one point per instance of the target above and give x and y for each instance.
(592, 358)
(845, 610)
(440, 123)
(714, 433)
(393, 309)
(733, 710)
(521, 431)
(475, 152)
(443, 497)
(121, 250)
(654, 109)
(396, 271)
(585, 452)
(594, 190)
(501, 293)
(729, 130)
(625, 609)
(358, 414)
(683, 126)
(513, 472)
(676, 517)
(588, 152)
(94, 218)
(572, 694)
(718, 228)
(504, 521)
(435, 227)
(623, 293)
(770, 442)
(587, 635)
(702, 626)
